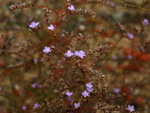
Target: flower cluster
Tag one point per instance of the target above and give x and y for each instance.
(80, 53)
(89, 87)
(34, 25)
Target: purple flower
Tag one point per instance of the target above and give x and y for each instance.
(89, 89)
(131, 36)
(130, 56)
(76, 105)
(69, 93)
(113, 4)
(80, 53)
(69, 99)
(114, 57)
(85, 94)
(121, 26)
(69, 53)
(34, 85)
(24, 108)
(146, 22)
(35, 61)
(51, 27)
(34, 25)
(36, 105)
(47, 49)
(40, 86)
(71, 8)
(131, 108)
(89, 85)
(116, 90)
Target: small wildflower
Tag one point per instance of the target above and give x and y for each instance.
(69, 53)
(116, 90)
(46, 50)
(89, 85)
(36, 105)
(69, 93)
(131, 36)
(113, 4)
(34, 85)
(114, 57)
(0, 89)
(130, 56)
(40, 86)
(131, 108)
(51, 27)
(76, 105)
(90, 89)
(122, 28)
(34, 25)
(146, 22)
(80, 53)
(35, 61)
(24, 108)
(85, 94)
(69, 99)
(71, 8)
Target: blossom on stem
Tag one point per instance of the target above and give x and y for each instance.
(76, 105)
(36, 105)
(131, 36)
(47, 49)
(146, 22)
(51, 27)
(80, 53)
(34, 25)
(69, 53)
(85, 94)
(71, 8)
(131, 108)
(69, 94)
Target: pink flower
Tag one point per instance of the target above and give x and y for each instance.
(76, 105)
(71, 8)
(51, 27)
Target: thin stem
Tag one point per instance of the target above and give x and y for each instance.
(131, 5)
